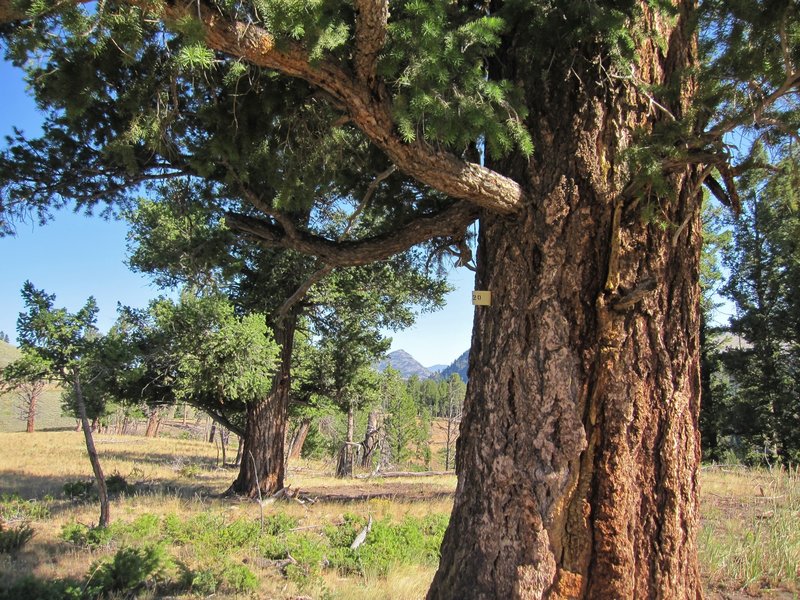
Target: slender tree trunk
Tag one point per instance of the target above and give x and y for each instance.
(30, 393)
(370, 443)
(102, 491)
(223, 439)
(298, 440)
(213, 432)
(265, 425)
(344, 466)
(578, 453)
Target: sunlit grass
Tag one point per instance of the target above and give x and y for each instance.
(750, 538)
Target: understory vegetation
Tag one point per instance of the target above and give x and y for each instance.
(174, 535)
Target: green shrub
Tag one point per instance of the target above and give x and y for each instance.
(116, 485)
(129, 570)
(239, 578)
(279, 523)
(32, 588)
(13, 507)
(87, 537)
(80, 490)
(14, 538)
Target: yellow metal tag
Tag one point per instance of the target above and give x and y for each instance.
(482, 298)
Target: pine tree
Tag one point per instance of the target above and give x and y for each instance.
(579, 134)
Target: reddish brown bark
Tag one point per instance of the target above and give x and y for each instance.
(298, 440)
(153, 421)
(578, 453)
(262, 465)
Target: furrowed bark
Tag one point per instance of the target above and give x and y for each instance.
(265, 425)
(578, 451)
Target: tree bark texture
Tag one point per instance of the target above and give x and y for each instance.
(263, 443)
(371, 437)
(298, 440)
(347, 453)
(578, 451)
(153, 422)
(94, 459)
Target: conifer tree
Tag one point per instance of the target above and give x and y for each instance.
(578, 133)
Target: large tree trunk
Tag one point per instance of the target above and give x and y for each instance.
(94, 459)
(152, 423)
(298, 440)
(265, 425)
(578, 453)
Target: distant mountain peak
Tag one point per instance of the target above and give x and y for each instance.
(405, 364)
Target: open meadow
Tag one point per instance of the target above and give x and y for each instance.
(173, 534)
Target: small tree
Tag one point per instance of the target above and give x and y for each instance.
(67, 349)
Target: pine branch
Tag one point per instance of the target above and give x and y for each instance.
(451, 221)
(441, 170)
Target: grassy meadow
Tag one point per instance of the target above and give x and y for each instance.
(172, 519)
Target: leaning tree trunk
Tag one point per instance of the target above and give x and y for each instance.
(578, 452)
(262, 464)
(298, 440)
(94, 459)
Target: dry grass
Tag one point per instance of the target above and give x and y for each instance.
(749, 542)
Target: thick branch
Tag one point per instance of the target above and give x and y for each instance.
(441, 170)
(449, 222)
(371, 19)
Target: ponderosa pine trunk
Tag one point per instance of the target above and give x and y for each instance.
(578, 452)
(263, 443)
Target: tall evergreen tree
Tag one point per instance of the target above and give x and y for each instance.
(763, 284)
(597, 121)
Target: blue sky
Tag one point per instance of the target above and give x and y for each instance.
(76, 257)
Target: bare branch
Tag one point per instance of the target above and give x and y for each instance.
(451, 221)
(371, 19)
(371, 189)
(300, 292)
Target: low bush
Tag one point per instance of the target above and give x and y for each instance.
(32, 588)
(13, 507)
(12, 538)
(87, 537)
(130, 570)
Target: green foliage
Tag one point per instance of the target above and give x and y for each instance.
(436, 60)
(14, 508)
(33, 588)
(87, 537)
(752, 401)
(80, 490)
(130, 569)
(14, 537)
